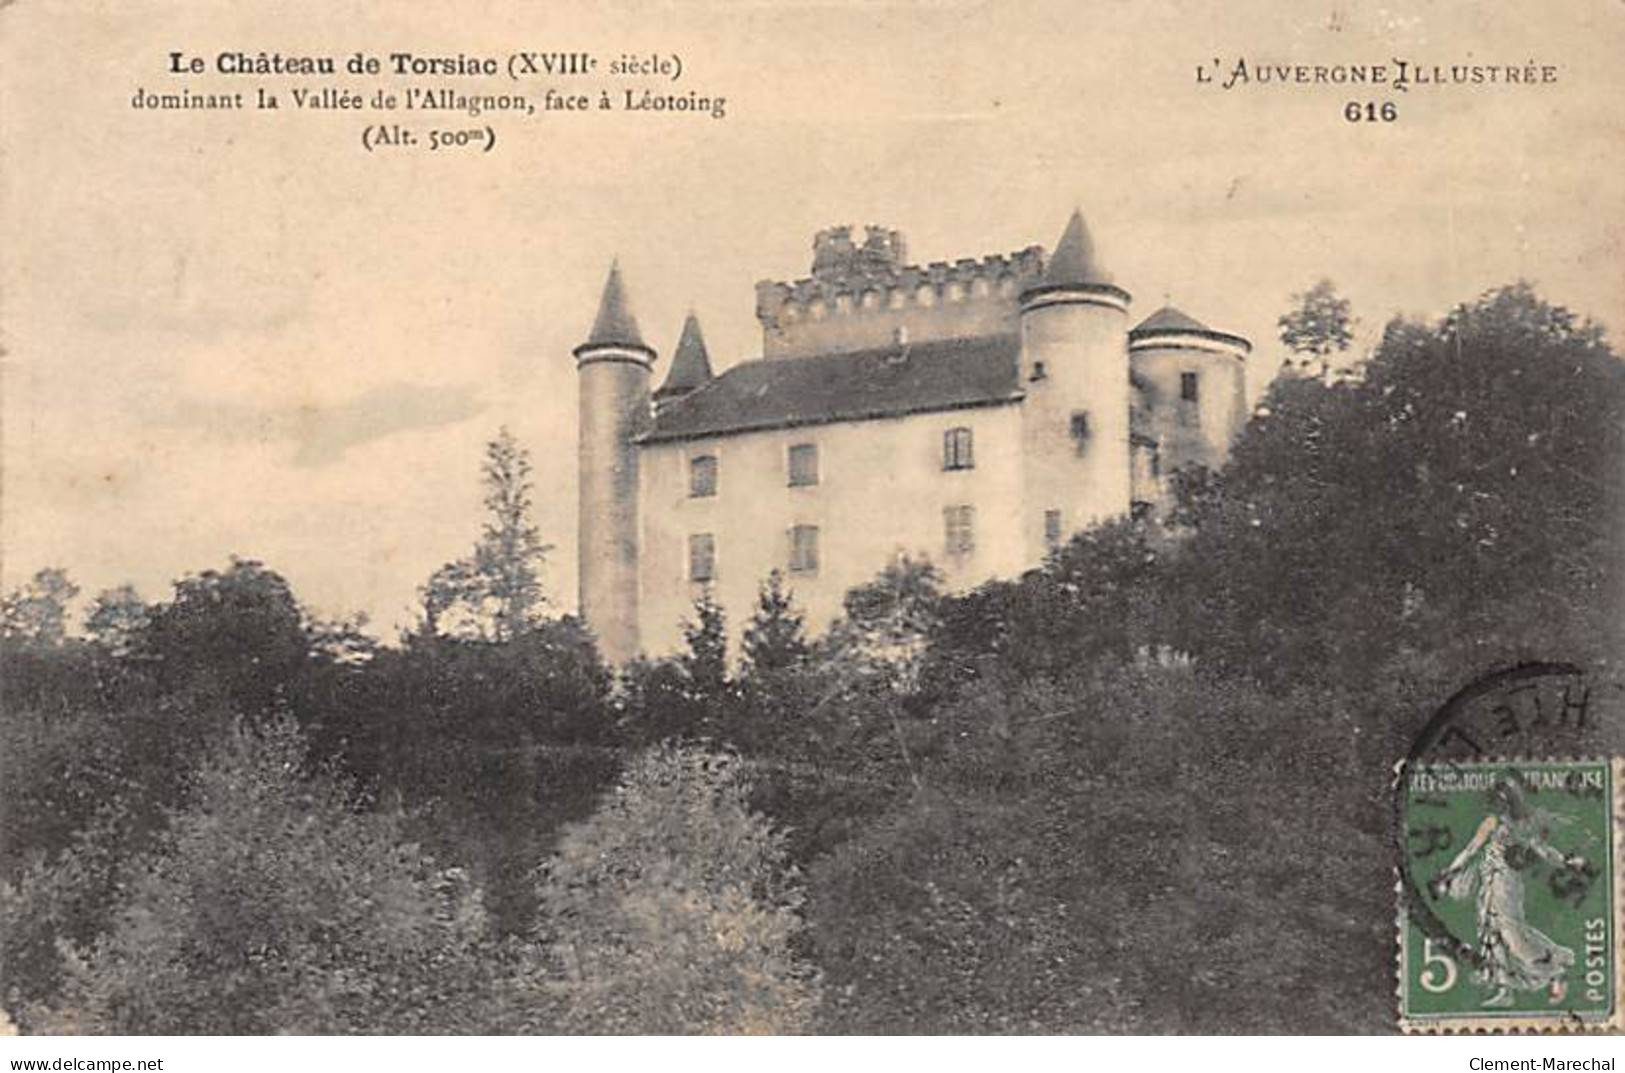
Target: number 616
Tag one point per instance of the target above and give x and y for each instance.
(1370, 111)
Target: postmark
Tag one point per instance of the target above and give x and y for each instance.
(1508, 856)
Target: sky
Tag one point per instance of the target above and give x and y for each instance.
(243, 334)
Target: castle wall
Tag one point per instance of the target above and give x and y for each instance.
(882, 490)
(1200, 431)
(1075, 418)
(865, 309)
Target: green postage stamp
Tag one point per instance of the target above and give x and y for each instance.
(1509, 896)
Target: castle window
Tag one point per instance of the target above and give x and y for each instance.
(803, 464)
(1187, 386)
(1052, 529)
(702, 475)
(804, 549)
(702, 557)
(1156, 462)
(1078, 428)
(957, 449)
(959, 527)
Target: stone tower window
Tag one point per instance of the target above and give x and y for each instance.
(1052, 529)
(702, 557)
(959, 529)
(1188, 386)
(1078, 429)
(803, 464)
(702, 475)
(958, 449)
(804, 549)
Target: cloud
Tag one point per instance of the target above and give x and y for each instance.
(321, 432)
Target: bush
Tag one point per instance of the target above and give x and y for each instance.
(674, 910)
(81, 792)
(274, 905)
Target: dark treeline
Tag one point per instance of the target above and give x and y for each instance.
(1143, 788)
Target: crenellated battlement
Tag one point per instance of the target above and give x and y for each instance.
(859, 294)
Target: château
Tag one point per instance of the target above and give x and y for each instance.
(974, 413)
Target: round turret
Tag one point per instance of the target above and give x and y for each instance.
(614, 368)
(1193, 383)
(1074, 374)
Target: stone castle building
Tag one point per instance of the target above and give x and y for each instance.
(975, 414)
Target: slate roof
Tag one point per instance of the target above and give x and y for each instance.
(691, 364)
(1169, 319)
(947, 374)
(615, 325)
(1172, 321)
(1074, 259)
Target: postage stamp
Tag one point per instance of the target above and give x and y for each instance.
(1509, 896)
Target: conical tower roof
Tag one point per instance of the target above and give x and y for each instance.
(1074, 258)
(691, 364)
(1156, 329)
(1169, 319)
(615, 325)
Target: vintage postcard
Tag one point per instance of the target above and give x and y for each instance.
(731, 516)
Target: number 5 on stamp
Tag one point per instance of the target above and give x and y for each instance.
(1509, 896)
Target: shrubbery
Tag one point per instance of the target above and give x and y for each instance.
(274, 903)
(674, 909)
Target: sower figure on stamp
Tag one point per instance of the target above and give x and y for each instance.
(1515, 955)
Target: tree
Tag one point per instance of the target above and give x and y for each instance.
(342, 641)
(237, 634)
(498, 587)
(705, 662)
(116, 618)
(1095, 600)
(687, 696)
(1318, 324)
(276, 905)
(890, 619)
(776, 636)
(1462, 493)
(37, 613)
(674, 910)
